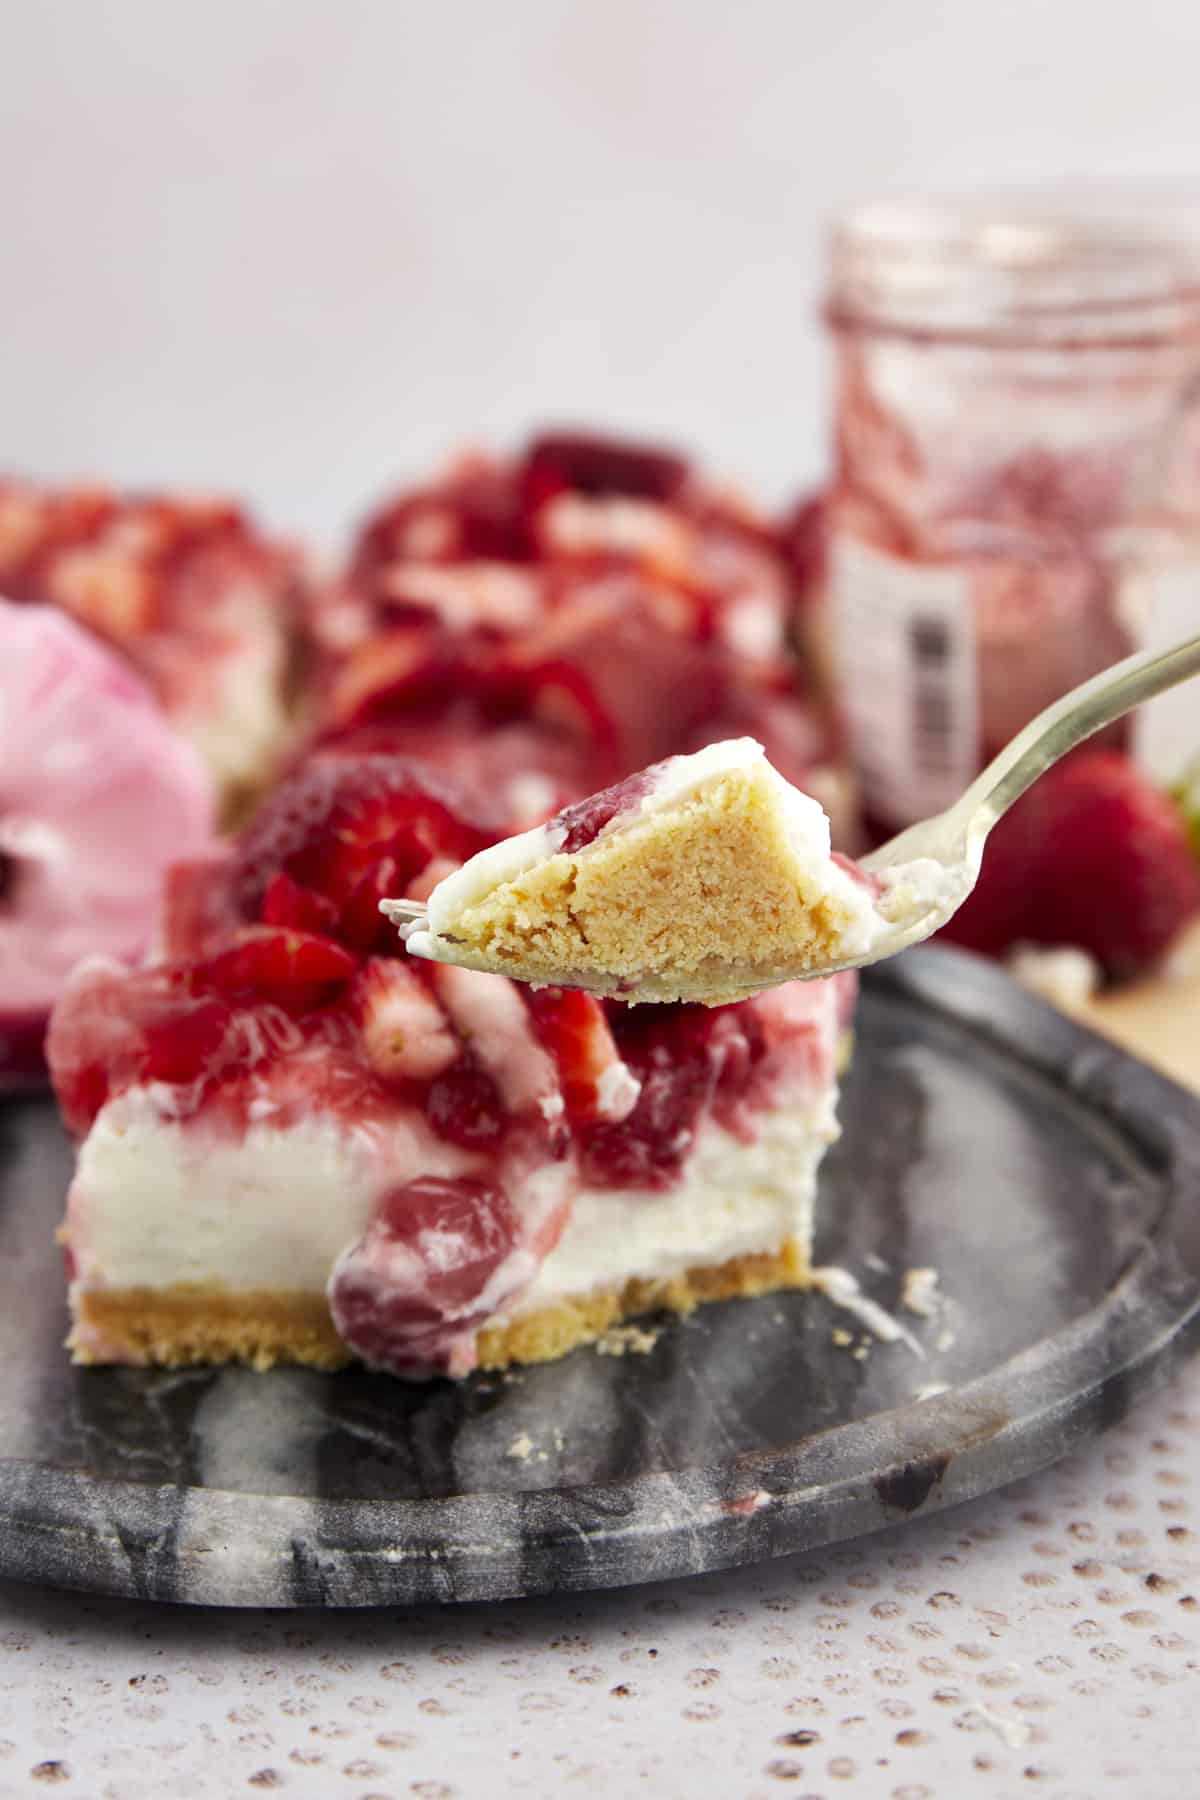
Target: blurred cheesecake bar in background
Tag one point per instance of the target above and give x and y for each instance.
(556, 620)
(202, 606)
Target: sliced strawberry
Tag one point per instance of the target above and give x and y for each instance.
(405, 1033)
(297, 908)
(112, 1029)
(596, 1083)
(360, 923)
(576, 462)
(1092, 856)
(333, 825)
(197, 905)
(296, 969)
(408, 668)
(619, 674)
(184, 1040)
(562, 695)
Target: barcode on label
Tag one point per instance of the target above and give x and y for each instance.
(1166, 732)
(933, 746)
(904, 637)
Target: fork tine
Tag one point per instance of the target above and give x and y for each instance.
(402, 911)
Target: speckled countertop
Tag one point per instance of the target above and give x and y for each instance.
(1042, 1641)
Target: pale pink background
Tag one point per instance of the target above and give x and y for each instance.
(302, 247)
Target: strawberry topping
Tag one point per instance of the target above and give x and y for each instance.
(113, 1030)
(688, 1060)
(528, 632)
(569, 462)
(298, 908)
(574, 1028)
(294, 969)
(409, 1294)
(464, 1105)
(344, 831)
(591, 594)
(197, 907)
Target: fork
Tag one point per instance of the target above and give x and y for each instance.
(937, 860)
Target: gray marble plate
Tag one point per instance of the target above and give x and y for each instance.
(1052, 1181)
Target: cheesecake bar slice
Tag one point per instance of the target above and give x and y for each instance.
(299, 1144)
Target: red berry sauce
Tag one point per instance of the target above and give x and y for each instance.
(408, 1295)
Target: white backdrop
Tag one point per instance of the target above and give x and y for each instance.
(300, 247)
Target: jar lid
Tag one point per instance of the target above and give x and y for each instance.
(1060, 270)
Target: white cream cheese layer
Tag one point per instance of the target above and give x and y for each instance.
(734, 1199)
(157, 1203)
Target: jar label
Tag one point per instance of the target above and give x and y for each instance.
(1166, 731)
(904, 638)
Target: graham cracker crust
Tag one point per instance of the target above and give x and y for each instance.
(543, 1336)
(695, 895)
(178, 1326)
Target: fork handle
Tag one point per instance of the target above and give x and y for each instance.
(1084, 711)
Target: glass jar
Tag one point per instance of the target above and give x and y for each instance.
(1016, 493)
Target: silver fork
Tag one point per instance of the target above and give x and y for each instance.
(939, 858)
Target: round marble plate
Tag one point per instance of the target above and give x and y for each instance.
(1053, 1183)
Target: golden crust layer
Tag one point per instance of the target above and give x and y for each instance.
(681, 899)
(543, 1336)
(184, 1325)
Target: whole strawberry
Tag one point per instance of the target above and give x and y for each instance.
(1092, 855)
